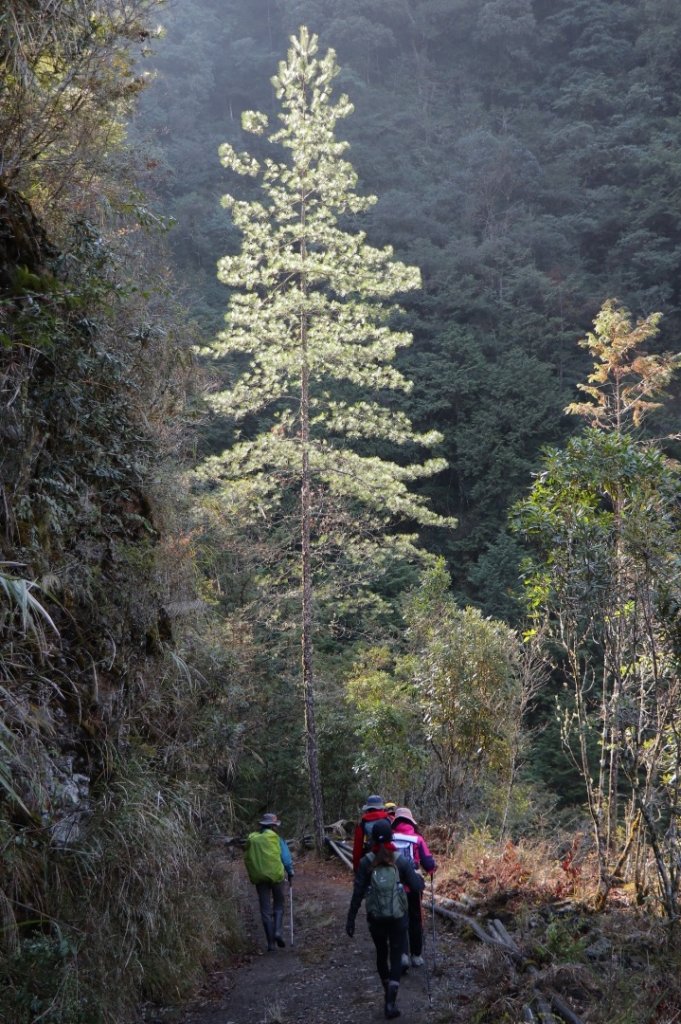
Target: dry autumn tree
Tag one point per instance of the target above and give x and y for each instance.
(603, 515)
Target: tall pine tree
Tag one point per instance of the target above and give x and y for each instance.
(309, 310)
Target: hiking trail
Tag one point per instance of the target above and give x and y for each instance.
(326, 977)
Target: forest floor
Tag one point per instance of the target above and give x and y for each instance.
(326, 977)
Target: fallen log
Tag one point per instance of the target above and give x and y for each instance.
(558, 1003)
(505, 936)
(498, 937)
(465, 905)
(458, 917)
(339, 828)
(340, 853)
(562, 1008)
(544, 1010)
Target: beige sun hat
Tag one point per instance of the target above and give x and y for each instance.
(405, 814)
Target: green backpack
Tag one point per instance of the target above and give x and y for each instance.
(386, 896)
(263, 857)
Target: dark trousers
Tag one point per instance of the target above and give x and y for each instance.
(271, 897)
(415, 924)
(389, 935)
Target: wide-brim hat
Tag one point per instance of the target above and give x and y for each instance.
(269, 819)
(374, 803)
(405, 814)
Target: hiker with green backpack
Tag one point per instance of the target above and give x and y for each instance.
(381, 878)
(268, 862)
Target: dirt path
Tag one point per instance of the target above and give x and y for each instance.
(327, 978)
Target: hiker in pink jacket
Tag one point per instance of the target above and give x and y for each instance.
(411, 844)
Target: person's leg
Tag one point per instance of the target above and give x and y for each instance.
(397, 932)
(278, 900)
(415, 928)
(379, 933)
(264, 890)
(406, 959)
(397, 937)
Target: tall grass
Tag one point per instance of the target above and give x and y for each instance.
(135, 911)
(132, 906)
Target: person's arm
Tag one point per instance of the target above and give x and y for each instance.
(408, 875)
(357, 847)
(426, 859)
(286, 858)
(359, 889)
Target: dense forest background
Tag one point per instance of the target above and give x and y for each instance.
(523, 157)
(526, 159)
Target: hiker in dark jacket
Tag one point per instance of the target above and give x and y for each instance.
(268, 863)
(388, 932)
(373, 811)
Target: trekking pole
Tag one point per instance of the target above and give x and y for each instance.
(432, 914)
(290, 907)
(427, 969)
(428, 990)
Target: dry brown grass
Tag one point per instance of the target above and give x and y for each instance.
(486, 871)
(613, 967)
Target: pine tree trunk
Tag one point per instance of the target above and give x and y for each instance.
(311, 746)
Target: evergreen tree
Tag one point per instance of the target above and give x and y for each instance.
(524, 157)
(309, 309)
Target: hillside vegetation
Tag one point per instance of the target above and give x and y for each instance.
(489, 632)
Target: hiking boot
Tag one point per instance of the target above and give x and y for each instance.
(391, 1010)
(278, 937)
(269, 935)
(417, 961)
(406, 962)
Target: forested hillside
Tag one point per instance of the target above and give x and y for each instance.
(339, 456)
(524, 158)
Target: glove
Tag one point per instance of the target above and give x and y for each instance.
(290, 879)
(350, 928)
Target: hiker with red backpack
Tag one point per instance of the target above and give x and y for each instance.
(268, 861)
(411, 844)
(372, 812)
(382, 877)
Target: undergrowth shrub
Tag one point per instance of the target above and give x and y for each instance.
(108, 892)
(40, 981)
(143, 909)
(563, 942)
(153, 894)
